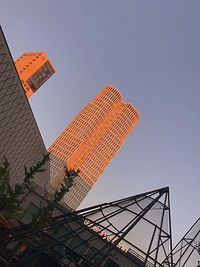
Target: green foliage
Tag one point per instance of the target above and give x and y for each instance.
(29, 173)
(68, 182)
(11, 197)
(44, 215)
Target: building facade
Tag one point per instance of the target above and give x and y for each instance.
(20, 139)
(34, 69)
(90, 141)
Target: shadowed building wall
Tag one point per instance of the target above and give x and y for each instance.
(34, 69)
(91, 140)
(20, 139)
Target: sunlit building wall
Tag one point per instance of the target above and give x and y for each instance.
(34, 69)
(91, 140)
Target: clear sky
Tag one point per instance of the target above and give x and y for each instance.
(147, 49)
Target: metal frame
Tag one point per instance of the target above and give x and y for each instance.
(102, 221)
(186, 246)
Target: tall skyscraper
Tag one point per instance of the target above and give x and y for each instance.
(34, 69)
(90, 141)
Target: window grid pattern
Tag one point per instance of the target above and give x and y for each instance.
(94, 136)
(20, 139)
(34, 69)
(83, 124)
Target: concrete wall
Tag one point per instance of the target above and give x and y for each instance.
(20, 139)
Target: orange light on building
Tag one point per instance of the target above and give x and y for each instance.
(91, 140)
(34, 69)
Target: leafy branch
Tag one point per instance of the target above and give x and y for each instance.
(44, 215)
(11, 197)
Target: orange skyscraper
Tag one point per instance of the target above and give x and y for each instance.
(34, 69)
(91, 140)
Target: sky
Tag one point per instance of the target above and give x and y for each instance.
(149, 50)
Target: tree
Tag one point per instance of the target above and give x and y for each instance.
(44, 215)
(12, 196)
(68, 182)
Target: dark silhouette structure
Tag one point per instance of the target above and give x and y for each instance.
(187, 251)
(134, 231)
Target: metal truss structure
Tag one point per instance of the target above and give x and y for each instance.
(135, 230)
(187, 251)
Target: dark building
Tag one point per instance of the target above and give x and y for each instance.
(20, 139)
